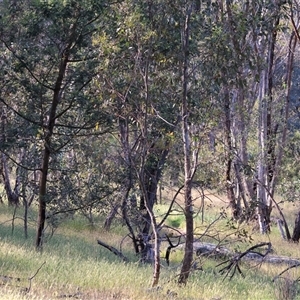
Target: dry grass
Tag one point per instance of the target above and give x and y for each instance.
(76, 267)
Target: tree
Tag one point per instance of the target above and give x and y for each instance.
(243, 43)
(49, 47)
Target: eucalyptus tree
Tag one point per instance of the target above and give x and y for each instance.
(140, 81)
(272, 90)
(147, 83)
(246, 81)
(49, 64)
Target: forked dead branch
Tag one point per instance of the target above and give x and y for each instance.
(234, 263)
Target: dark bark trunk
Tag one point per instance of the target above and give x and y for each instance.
(42, 201)
(296, 232)
(152, 176)
(113, 250)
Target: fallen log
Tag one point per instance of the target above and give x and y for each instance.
(219, 251)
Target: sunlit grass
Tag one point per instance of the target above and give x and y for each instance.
(73, 264)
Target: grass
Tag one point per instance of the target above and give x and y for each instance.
(73, 265)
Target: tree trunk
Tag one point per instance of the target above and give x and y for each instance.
(42, 198)
(296, 232)
(268, 130)
(42, 201)
(149, 176)
(156, 271)
(188, 203)
(126, 157)
(264, 206)
(11, 194)
(284, 113)
(124, 208)
(152, 176)
(234, 204)
(235, 106)
(111, 216)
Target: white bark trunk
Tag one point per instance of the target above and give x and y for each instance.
(262, 196)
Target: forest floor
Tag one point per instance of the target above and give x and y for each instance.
(73, 266)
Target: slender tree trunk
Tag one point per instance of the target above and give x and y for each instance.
(235, 207)
(235, 136)
(188, 203)
(262, 176)
(124, 208)
(42, 196)
(149, 188)
(127, 160)
(42, 201)
(152, 177)
(242, 162)
(267, 132)
(156, 271)
(111, 216)
(285, 109)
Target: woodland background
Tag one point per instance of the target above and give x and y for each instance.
(107, 104)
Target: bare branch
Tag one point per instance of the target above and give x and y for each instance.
(233, 265)
(30, 278)
(113, 250)
(285, 270)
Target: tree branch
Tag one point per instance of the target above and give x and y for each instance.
(113, 250)
(233, 265)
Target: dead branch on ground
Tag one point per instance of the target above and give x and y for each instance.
(233, 263)
(113, 250)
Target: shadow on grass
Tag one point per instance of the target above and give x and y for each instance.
(64, 244)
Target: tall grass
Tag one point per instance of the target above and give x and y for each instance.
(72, 264)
